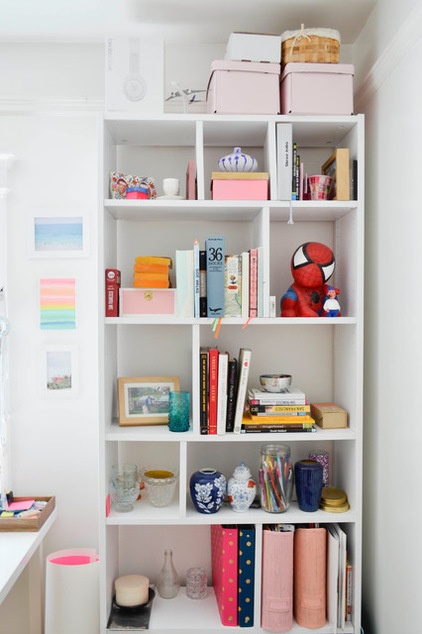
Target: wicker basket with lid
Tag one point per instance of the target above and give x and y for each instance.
(310, 45)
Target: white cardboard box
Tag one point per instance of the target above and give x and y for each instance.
(254, 47)
(134, 75)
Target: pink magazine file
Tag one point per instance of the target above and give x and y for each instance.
(310, 574)
(224, 557)
(277, 581)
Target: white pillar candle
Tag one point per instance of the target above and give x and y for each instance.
(131, 590)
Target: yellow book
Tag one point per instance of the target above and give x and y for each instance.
(239, 175)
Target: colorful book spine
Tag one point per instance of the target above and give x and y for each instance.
(277, 579)
(246, 576)
(213, 389)
(245, 283)
(223, 368)
(253, 282)
(294, 171)
(232, 286)
(232, 381)
(284, 410)
(214, 247)
(242, 387)
(310, 577)
(196, 280)
(202, 283)
(203, 380)
(224, 559)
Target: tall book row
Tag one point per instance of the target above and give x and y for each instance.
(213, 283)
(305, 576)
(223, 389)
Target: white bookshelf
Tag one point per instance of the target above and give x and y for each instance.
(325, 356)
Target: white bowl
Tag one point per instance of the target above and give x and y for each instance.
(275, 382)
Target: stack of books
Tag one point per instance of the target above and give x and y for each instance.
(286, 411)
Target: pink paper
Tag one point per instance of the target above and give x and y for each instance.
(22, 505)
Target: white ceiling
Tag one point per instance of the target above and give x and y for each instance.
(177, 21)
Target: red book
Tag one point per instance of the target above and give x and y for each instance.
(224, 559)
(253, 282)
(213, 390)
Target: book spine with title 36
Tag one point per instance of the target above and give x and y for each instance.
(214, 247)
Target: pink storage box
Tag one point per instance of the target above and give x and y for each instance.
(147, 301)
(243, 88)
(225, 189)
(317, 89)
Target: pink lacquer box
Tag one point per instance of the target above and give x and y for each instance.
(147, 301)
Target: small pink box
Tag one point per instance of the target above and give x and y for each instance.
(226, 189)
(147, 301)
(243, 88)
(307, 88)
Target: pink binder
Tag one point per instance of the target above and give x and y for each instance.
(310, 574)
(224, 557)
(277, 580)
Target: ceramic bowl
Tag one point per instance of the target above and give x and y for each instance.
(275, 382)
(160, 485)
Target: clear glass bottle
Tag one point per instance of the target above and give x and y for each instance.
(168, 582)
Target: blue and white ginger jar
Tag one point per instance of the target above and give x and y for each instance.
(241, 488)
(238, 161)
(207, 489)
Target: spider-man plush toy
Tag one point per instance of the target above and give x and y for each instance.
(312, 265)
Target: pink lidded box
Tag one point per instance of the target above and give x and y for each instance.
(147, 301)
(227, 189)
(237, 87)
(307, 88)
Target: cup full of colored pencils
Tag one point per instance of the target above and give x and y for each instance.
(275, 477)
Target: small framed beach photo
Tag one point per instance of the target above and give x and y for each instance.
(145, 400)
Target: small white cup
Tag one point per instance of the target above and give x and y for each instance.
(171, 186)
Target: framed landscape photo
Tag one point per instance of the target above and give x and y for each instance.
(145, 400)
(338, 167)
(55, 236)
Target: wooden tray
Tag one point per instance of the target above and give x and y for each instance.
(29, 524)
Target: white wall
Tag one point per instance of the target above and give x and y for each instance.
(392, 102)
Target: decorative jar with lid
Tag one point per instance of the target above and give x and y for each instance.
(238, 161)
(241, 488)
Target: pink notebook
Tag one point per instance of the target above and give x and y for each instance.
(310, 574)
(224, 556)
(277, 580)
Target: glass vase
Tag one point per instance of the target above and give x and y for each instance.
(168, 582)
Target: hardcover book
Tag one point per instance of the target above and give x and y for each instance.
(184, 283)
(231, 393)
(284, 161)
(224, 559)
(290, 396)
(203, 382)
(223, 368)
(242, 386)
(232, 286)
(277, 579)
(214, 247)
(202, 283)
(253, 282)
(213, 355)
(246, 578)
(245, 284)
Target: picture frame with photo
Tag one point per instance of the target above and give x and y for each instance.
(58, 372)
(338, 167)
(55, 235)
(145, 400)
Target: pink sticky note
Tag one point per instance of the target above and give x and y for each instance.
(22, 505)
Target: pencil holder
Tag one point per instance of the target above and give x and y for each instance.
(275, 477)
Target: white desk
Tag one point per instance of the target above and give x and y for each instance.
(16, 550)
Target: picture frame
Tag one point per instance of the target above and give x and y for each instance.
(58, 371)
(58, 235)
(338, 167)
(145, 400)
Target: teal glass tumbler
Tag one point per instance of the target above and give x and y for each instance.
(179, 411)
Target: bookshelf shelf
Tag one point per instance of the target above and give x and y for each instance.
(324, 355)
